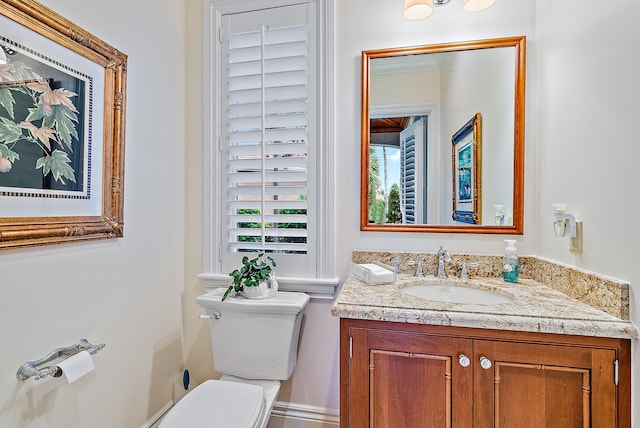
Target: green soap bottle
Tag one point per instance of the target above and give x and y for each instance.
(511, 265)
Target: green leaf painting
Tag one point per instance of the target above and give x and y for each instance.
(40, 121)
(57, 164)
(10, 132)
(7, 101)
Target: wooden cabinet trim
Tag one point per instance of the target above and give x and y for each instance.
(480, 333)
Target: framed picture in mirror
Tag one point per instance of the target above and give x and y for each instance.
(466, 155)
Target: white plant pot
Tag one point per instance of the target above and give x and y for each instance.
(266, 290)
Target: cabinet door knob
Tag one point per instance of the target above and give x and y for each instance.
(485, 363)
(464, 360)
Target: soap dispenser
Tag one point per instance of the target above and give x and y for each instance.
(511, 266)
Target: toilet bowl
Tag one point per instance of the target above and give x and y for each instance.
(223, 403)
(255, 347)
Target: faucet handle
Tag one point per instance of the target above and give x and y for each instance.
(463, 270)
(443, 254)
(418, 263)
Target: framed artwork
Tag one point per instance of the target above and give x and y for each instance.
(62, 128)
(466, 156)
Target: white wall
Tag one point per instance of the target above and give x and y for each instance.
(385, 27)
(400, 88)
(126, 292)
(137, 294)
(474, 82)
(587, 108)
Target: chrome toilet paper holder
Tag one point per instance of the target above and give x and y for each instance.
(39, 369)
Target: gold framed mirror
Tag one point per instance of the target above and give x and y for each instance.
(415, 102)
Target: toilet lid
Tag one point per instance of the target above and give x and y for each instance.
(219, 404)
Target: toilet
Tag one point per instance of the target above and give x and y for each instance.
(255, 344)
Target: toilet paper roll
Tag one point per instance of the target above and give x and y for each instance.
(76, 366)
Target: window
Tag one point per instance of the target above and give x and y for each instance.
(266, 140)
(412, 172)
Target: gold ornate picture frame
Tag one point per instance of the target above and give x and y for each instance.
(466, 157)
(62, 130)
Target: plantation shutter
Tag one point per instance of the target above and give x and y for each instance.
(266, 137)
(408, 176)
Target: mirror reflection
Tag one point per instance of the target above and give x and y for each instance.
(442, 145)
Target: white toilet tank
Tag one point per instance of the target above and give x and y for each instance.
(255, 339)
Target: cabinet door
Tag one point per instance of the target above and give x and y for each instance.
(409, 380)
(540, 386)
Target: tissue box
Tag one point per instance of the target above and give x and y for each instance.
(373, 273)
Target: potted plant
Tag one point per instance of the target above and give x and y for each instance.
(254, 279)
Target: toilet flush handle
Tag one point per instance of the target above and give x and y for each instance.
(216, 316)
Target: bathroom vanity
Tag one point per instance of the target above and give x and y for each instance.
(410, 375)
(538, 359)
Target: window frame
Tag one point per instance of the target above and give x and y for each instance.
(324, 283)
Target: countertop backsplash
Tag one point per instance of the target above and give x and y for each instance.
(607, 294)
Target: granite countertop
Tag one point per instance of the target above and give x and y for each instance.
(533, 307)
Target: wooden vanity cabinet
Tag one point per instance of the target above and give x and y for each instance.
(409, 375)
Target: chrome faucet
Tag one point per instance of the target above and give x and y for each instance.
(418, 265)
(443, 257)
(464, 275)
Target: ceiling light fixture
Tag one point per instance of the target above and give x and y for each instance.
(416, 10)
(477, 5)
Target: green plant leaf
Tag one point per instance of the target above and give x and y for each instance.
(226, 293)
(10, 132)
(7, 101)
(8, 154)
(57, 163)
(252, 272)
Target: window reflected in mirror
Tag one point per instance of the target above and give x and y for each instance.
(396, 169)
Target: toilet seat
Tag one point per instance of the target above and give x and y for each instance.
(218, 403)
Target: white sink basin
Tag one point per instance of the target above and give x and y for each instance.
(456, 294)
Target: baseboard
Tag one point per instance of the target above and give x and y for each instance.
(303, 412)
(158, 415)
